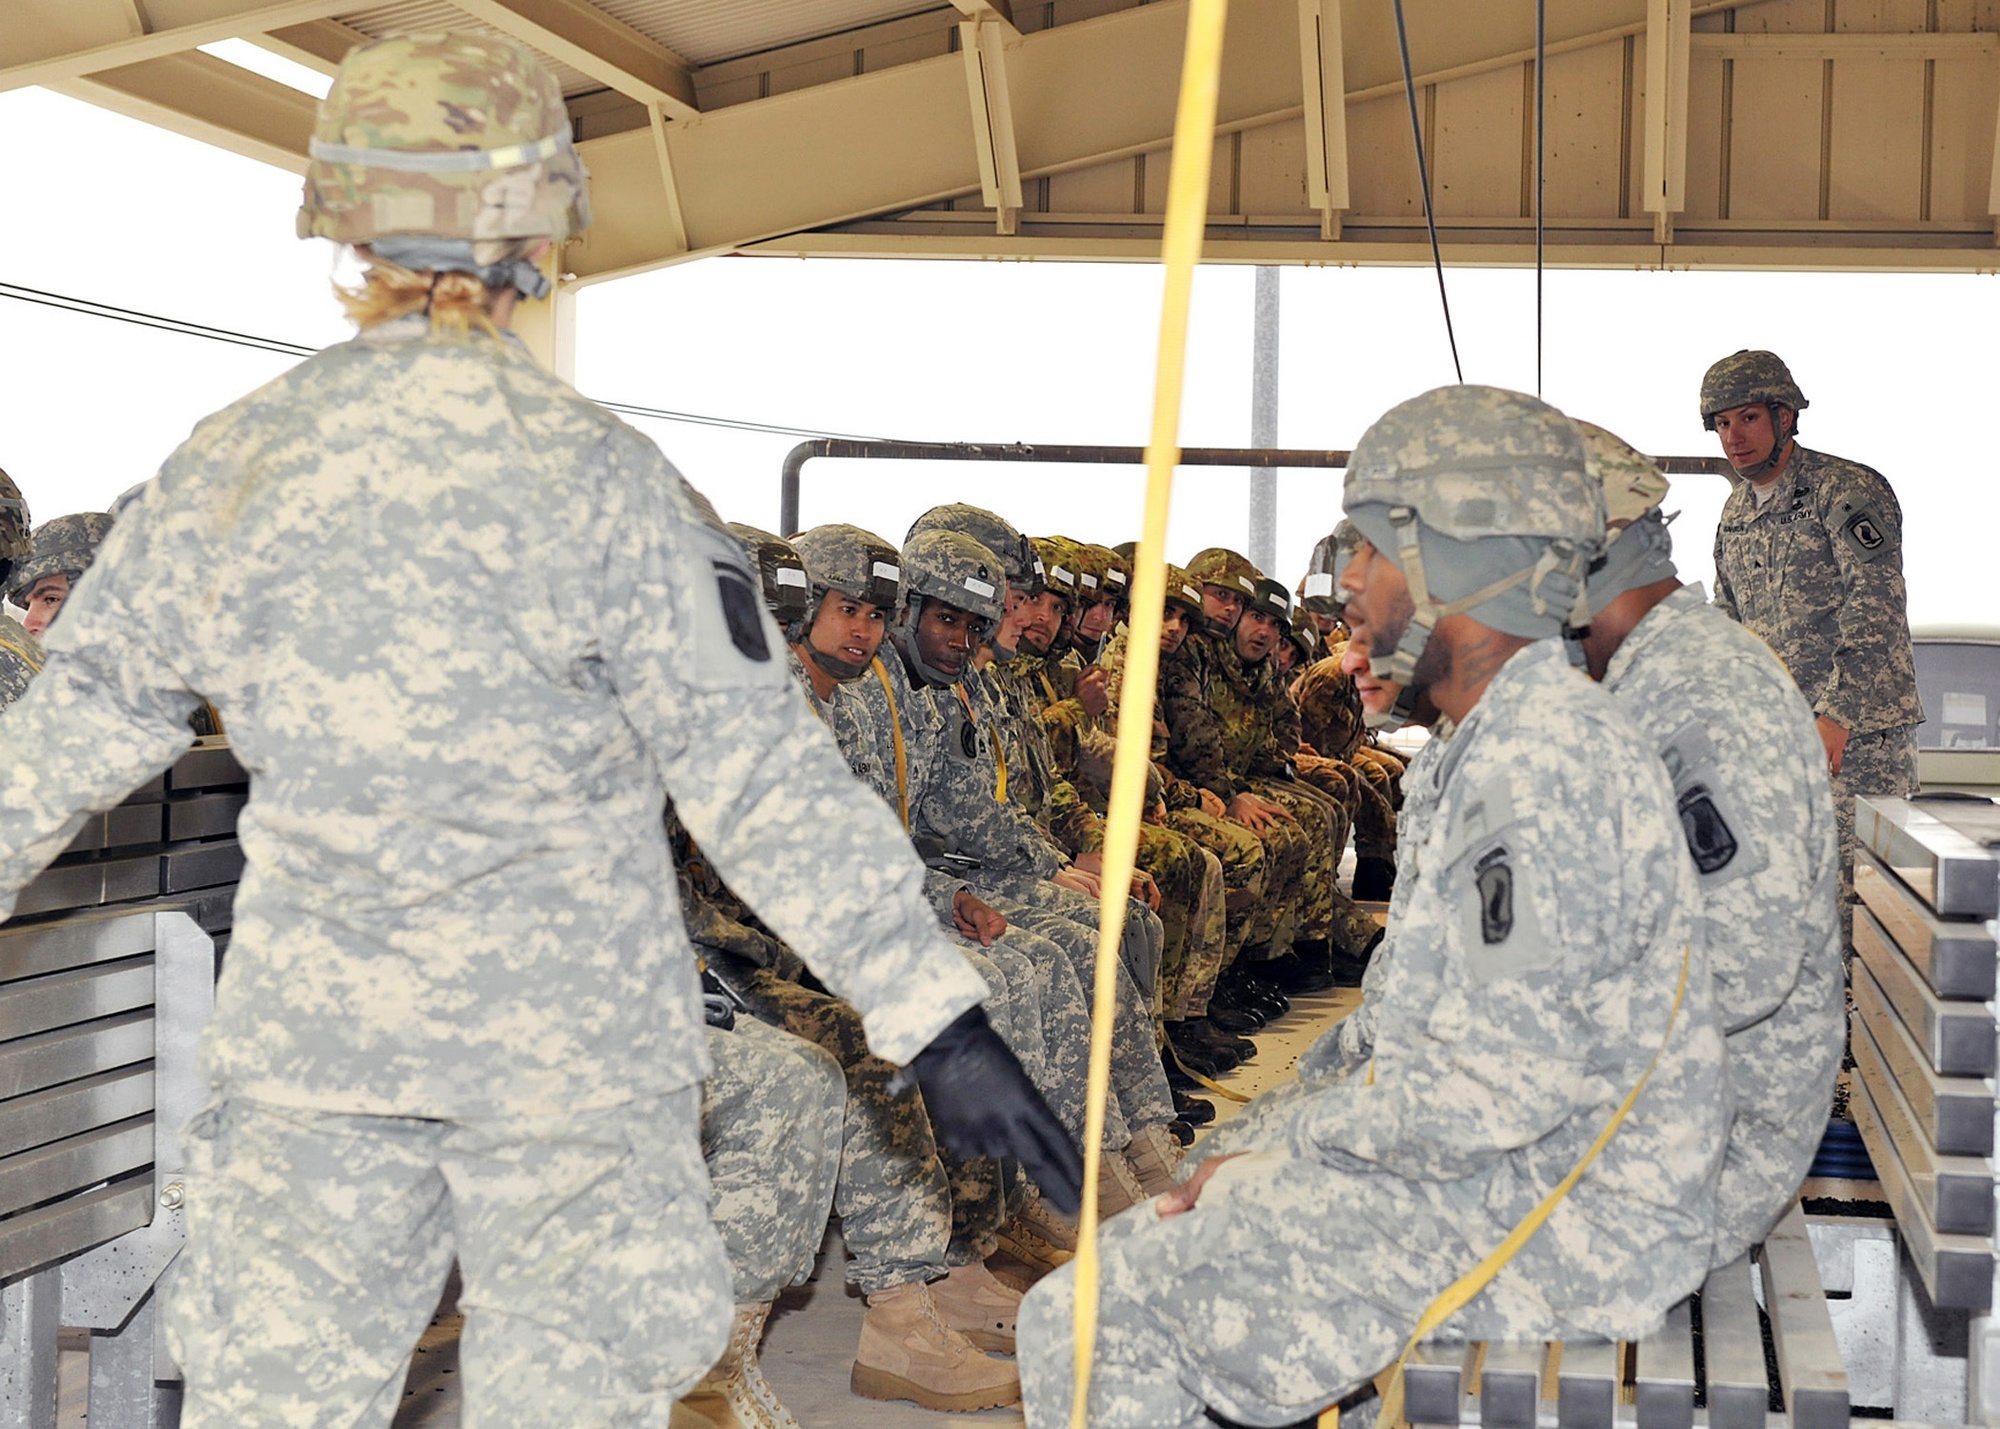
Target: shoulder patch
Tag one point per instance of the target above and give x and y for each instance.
(1494, 876)
(731, 646)
(1865, 534)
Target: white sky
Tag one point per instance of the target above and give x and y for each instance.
(1901, 370)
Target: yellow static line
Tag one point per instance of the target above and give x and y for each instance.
(1186, 215)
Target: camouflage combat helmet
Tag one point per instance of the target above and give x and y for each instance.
(450, 136)
(1093, 565)
(1023, 568)
(781, 572)
(1638, 549)
(64, 546)
(1468, 463)
(15, 543)
(855, 563)
(1746, 378)
(1273, 599)
(1320, 592)
(1304, 640)
(951, 569)
(1185, 591)
(1220, 566)
(1117, 576)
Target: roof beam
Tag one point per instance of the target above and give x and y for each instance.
(60, 40)
(988, 10)
(317, 44)
(585, 37)
(208, 99)
(1665, 173)
(1323, 72)
(982, 44)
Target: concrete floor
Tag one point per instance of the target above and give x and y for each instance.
(809, 1348)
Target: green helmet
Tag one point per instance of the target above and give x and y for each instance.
(1117, 576)
(781, 572)
(15, 543)
(1273, 599)
(1218, 565)
(1185, 591)
(995, 533)
(1304, 640)
(1745, 378)
(64, 546)
(449, 136)
(1638, 549)
(856, 563)
(1436, 478)
(1061, 569)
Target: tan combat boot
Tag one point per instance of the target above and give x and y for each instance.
(1117, 1186)
(1039, 1236)
(734, 1393)
(979, 1306)
(1156, 1159)
(909, 1352)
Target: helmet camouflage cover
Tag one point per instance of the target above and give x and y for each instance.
(15, 542)
(855, 562)
(1117, 575)
(1319, 591)
(953, 569)
(1023, 568)
(64, 546)
(1272, 598)
(1061, 568)
(1633, 483)
(1218, 565)
(448, 135)
(779, 569)
(1184, 590)
(1745, 378)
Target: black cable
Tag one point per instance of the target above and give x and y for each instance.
(1424, 179)
(1541, 166)
(88, 308)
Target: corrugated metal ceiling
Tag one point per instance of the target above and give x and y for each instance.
(410, 16)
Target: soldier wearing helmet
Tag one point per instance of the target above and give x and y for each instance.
(457, 986)
(63, 551)
(1555, 887)
(1809, 556)
(20, 654)
(1750, 781)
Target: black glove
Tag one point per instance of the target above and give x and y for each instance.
(982, 1104)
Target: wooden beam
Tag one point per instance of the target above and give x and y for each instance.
(317, 44)
(983, 46)
(1915, 45)
(96, 35)
(1001, 11)
(1322, 72)
(607, 49)
(1665, 172)
(207, 99)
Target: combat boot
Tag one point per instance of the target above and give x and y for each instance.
(1117, 1186)
(979, 1306)
(1236, 1050)
(1349, 969)
(1195, 1052)
(1374, 879)
(1191, 1108)
(1308, 968)
(908, 1352)
(734, 1393)
(1156, 1160)
(1040, 1236)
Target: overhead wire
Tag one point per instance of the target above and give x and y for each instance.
(1424, 182)
(160, 323)
(1541, 166)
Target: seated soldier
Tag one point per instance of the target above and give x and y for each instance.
(20, 652)
(1548, 967)
(1749, 775)
(63, 551)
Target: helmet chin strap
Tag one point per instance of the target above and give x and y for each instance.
(842, 670)
(905, 636)
(1783, 440)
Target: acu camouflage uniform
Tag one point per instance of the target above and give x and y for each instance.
(1817, 573)
(466, 628)
(1508, 1030)
(20, 653)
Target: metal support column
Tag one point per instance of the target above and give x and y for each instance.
(30, 1314)
(1263, 551)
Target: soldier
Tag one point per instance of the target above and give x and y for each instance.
(459, 1017)
(1749, 775)
(1547, 956)
(1809, 556)
(20, 652)
(771, 1109)
(64, 549)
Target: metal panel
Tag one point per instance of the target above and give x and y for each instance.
(84, 885)
(1956, 1191)
(209, 765)
(204, 816)
(1957, 958)
(39, 1004)
(1957, 1270)
(1940, 851)
(29, 1064)
(1734, 1346)
(1433, 1382)
(1956, 1113)
(200, 866)
(1957, 1037)
(121, 827)
(93, 937)
(42, 1237)
(1801, 1330)
(1587, 1384)
(75, 1164)
(1666, 1373)
(45, 1116)
(1510, 1384)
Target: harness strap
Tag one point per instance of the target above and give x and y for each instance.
(895, 734)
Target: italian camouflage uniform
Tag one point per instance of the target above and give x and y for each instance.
(770, 1134)
(1817, 573)
(1330, 722)
(20, 659)
(1509, 1029)
(467, 629)
(1750, 780)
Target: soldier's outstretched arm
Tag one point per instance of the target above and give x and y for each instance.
(106, 714)
(699, 670)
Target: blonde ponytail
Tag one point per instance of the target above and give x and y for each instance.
(455, 302)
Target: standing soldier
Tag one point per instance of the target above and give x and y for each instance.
(20, 655)
(460, 1018)
(1809, 556)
